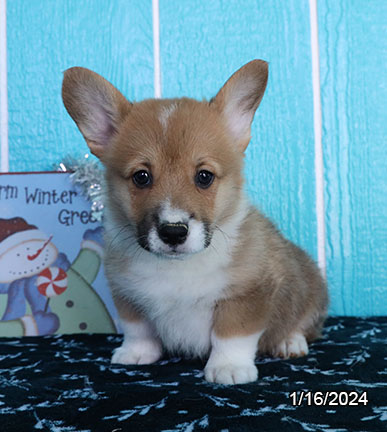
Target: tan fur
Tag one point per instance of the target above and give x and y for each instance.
(127, 311)
(277, 280)
(250, 83)
(274, 286)
(83, 89)
(181, 150)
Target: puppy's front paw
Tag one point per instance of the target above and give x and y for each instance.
(230, 373)
(139, 352)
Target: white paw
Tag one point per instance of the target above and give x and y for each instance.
(230, 373)
(139, 352)
(294, 346)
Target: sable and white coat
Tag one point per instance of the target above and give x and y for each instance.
(193, 267)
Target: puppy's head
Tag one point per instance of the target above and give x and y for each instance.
(173, 166)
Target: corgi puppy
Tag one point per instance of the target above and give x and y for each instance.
(193, 267)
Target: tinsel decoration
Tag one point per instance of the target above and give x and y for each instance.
(88, 175)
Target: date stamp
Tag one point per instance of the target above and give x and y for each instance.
(329, 398)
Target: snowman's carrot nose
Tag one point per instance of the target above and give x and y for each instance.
(39, 251)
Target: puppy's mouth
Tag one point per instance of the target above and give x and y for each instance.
(176, 239)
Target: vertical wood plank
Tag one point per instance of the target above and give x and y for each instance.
(3, 89)
(114, 38)
(203, 43)
(353, 51)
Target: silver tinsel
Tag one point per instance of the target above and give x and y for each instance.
(88, 175)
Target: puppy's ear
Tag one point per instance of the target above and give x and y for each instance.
(95, 105)
(239, 98)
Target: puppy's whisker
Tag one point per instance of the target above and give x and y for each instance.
(138, 251)
(116, 241)
(124, 250)
(225, 235)
(120, 230)
(214, 248)
(120, 227)
(117, 230)
(135, 242)
(116, 244)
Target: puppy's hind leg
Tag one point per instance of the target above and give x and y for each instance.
(294, 345)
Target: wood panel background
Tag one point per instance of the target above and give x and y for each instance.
(201, 44)
(113, 38)
(353, 55)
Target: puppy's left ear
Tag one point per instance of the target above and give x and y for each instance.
(240, 97)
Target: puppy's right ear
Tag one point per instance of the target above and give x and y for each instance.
(95, 105)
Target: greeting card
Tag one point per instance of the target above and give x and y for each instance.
(51, 276)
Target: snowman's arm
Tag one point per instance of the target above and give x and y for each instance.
(4, 287)
(35, 299)
(62, 262)
(16, 305)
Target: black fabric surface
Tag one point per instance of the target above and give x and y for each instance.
(66, 383)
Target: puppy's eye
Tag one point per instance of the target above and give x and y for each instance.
(204, 179)
(142, 179)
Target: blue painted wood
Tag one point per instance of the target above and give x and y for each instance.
(114, 38)
(204, 42)
(353, 50)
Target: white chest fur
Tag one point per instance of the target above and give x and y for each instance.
(178, 297)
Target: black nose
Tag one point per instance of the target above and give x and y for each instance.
(173, 233)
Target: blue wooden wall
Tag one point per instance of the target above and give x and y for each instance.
(353, 56)
(201, 44)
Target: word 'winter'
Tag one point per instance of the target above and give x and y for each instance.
(45, 197)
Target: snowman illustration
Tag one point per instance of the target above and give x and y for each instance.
(41, 292)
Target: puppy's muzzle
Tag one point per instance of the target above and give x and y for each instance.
(173, 233)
